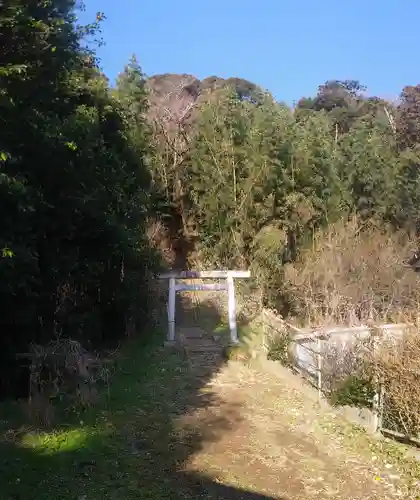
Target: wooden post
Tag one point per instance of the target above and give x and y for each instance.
(171, 310)
(232, 309)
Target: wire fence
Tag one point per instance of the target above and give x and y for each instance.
(326, 356)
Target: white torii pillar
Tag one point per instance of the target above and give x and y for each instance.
(229, 285)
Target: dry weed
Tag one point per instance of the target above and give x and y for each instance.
(353, 273)
(62, 369)
(339, 362)
(397, 368)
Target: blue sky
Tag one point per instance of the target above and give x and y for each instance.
(287, 47)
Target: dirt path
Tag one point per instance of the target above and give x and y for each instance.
(281, 443)
(170, 427)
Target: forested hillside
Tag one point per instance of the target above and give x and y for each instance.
(89, 169)
(319, 200)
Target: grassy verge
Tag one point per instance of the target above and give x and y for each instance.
(123, 448)
(384, 452)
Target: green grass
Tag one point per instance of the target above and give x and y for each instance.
(125, 447)
(222, 329)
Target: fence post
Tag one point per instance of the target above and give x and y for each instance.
(171, 310)
(232, 309)
(381, 406)
(264, 329)
(319, 367)
(374, 334)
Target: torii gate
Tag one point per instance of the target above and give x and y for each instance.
(229, 285)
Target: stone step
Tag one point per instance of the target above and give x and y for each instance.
(206, 367)
(206, 359)
(204, 374)
(195, 360)
(200, 342)
(207, 364)
(203, 348)
(204, 353)
(192, 333)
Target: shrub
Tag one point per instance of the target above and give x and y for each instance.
(397, 367)
(279, 349)
(63, 372)
(354, 390)
(340, 362)
(352, 375)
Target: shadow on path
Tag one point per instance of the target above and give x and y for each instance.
(135, 444)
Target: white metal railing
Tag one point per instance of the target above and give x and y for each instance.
(311, 367)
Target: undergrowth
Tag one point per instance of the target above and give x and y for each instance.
(353, 391)
(120, 448)
(279, 350)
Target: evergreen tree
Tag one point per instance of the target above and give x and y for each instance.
(73, 185)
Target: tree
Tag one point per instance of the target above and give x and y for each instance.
(131, 89)
(74, 185)
(368, 168)
(260, 182)
(342, 100)
(408, 117)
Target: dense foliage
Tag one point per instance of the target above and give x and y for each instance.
(73, 189)
(257, 179)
